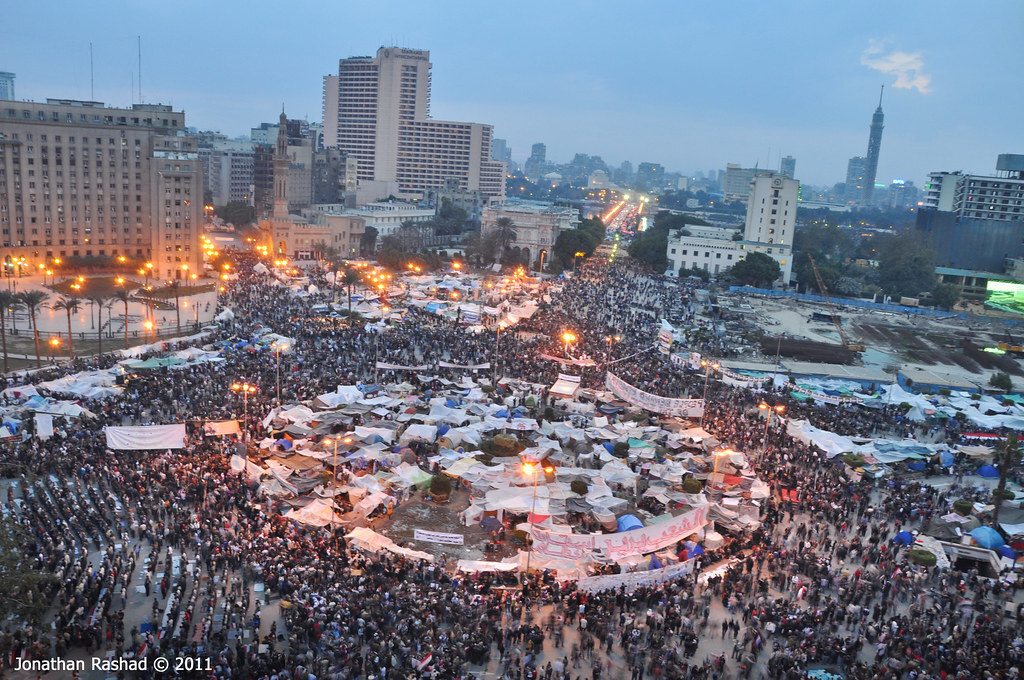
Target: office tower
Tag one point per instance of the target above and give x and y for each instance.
(736, 183)
(536, 164)
(976, 221)
(855, 171)
(228, 171)
(787, 166)
(82, 180)
(6, 85)
(500, 151)
(650, 175)
(377, 110)
(874, 146)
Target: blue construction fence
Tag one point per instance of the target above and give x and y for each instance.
(876, 306)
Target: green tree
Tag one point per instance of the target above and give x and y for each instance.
(505, 233)
(571, 242)
(237, 213)
(33, 301)
(906, 265)
(946, 295)
(756, 269)
(350, 278)
(1006, 460)
(1001, 381)
(650, 247)
(368, 241)
(451, 219)
(9, 302)
(595, 227)
(23, 582)
(123, 296)
(71, 306)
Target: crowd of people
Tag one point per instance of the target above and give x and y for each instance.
(173, 553)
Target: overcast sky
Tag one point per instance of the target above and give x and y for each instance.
(690, 85)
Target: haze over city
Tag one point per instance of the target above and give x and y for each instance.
(689, 86)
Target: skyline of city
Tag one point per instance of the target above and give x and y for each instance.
(689, 104)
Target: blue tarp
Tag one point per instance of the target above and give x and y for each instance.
(655, 562)
(946, 458)
(609, 447)
(988, 472)
(987, 537)
(916, 465)
(443, 430)
(904, 538)
(628, 523)
(1007, 551)
(609, 410)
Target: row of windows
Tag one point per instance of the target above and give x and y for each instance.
(95, 119)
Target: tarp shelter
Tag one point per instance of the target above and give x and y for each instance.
(319, 513)
(565, 386)
(904, 538)
(628, 523)
(425, 433)
(987, 537)
(988, 472)
(222, 427)
(145, 437)
(367, 539)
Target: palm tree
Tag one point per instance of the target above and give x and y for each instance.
(8, 301)
(33, 301)
(1007, 458)
(505, 231)
(173, 285)
(124, 296)
(99, 301)
(69, 305)
(350, 278)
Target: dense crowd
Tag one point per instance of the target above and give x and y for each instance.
(820, 582)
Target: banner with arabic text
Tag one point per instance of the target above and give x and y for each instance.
(620, 545)
(633, 580)
(827, 398)
(438, 537)
(688, 408)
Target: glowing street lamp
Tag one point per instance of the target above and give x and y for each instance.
(346, 440)
(779, 409)
(245, 388)
(54, 346)
(568, 337)
(714, 474)
(610, 339)
(578, 254)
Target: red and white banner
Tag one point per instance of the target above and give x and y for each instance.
(623, 544)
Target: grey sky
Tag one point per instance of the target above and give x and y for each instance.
(689, 85)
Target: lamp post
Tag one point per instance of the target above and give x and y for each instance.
(54, 345)
(278, 348)
(534, 469)
(542, 254)
(714, 474)
(245, 388)
(568, 337)
(707, 378)
(150, 327)
(610, 339)
(779, 408)
(578, 254)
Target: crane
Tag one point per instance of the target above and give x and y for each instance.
(853, 347)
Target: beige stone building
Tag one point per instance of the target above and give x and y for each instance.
(82, 181)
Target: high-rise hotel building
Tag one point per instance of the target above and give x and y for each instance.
(377, 110)
(82, 180)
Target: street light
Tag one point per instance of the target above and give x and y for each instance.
(346, 440)
(779, 408)
(278, 348)
(534, 469)
(568, 337)
(610, 339)
(707, 378)
(245, 389)
(576, 255)
(54, 345)
(714, 474)
(542, 254)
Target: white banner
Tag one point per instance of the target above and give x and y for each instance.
(620, 545)
(44, 425)
(595, 584)
(827, 398)
(688, 408)
(395, 367)
(146, 437)
(438, 537)
(465, 367)
(221, 427)
(739, 380)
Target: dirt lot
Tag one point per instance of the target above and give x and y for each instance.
(442, 517)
